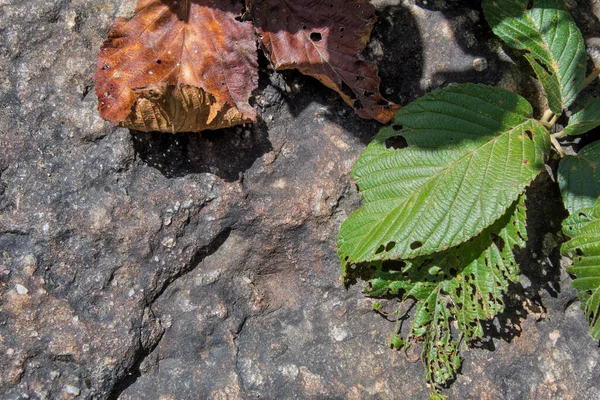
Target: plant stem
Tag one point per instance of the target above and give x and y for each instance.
(558, 135)
(546, 117)
(593, 75)
(557, 146)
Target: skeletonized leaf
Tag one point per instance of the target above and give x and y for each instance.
(579, 178)
(323, 39)
(472, 150)
(554, 45)
(465, 284)
(584, 248)
(585, 119)
(178, 66)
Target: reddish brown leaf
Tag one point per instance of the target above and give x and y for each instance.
(178, 65)
(323, 39)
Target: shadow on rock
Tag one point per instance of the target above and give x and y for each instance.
(226, 153)
(541, 285)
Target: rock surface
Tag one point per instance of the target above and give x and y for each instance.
(158, 266)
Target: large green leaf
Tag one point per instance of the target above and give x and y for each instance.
(554, 45)
(472, 150)
(579, 178)
(583, 227)
(465, 284)
(585, 119)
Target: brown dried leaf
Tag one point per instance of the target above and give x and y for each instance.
(178, 65)
(323, 39)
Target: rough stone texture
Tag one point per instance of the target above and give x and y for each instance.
(147, 266)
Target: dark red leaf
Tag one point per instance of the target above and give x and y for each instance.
(323, 39)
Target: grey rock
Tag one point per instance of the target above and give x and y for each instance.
(204, 265)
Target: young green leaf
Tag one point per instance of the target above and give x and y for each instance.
(579, 178)
(472, 150)
(554, 45)
(585, 119)
(583, 227)
(465, 284)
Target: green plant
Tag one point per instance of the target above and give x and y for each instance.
(443, 189)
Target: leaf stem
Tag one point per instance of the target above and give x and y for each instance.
(546, 117)
(557, 146)
(558, 135)
(593, 75)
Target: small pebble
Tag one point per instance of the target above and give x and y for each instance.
(480, 64)
(72, 390)
(168, 242)
(21, 289)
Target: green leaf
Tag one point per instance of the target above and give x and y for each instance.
(554, 45)
(585, 119)
(583, 227)
(579, 178)
(467, 286)
(472, 150)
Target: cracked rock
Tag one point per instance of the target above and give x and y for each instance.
(160, 266)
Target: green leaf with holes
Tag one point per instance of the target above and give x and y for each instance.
(585, 119)
(471, 151)
(553, 44)
(579, 178)
(464, 284)
(583, 227)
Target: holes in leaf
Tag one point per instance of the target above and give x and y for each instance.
(303, 27)
(368, 93)
(390, 246)
(380, 249)
(358, 105)
(397, 127)
(316, 37)
(529, 134)
(394, 265)
(105, 67)
(498, 241)
(416, 245)
(359, 78)
(582, 215)
(545, 68)
(395, 142)
(158, 62)
(579, 252)
(530, 4)
(347, 90)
